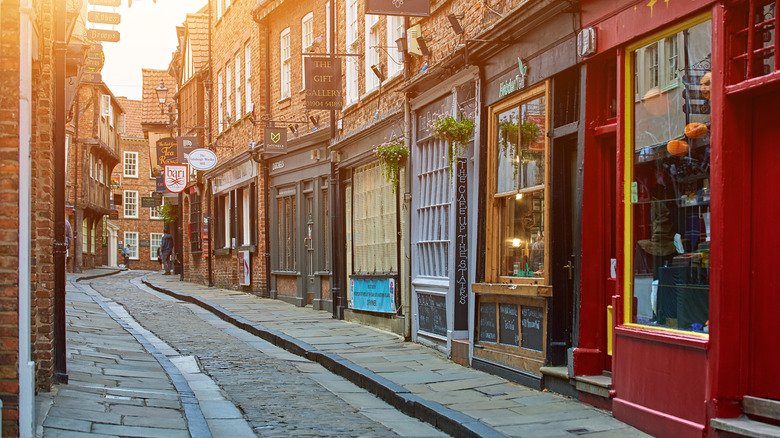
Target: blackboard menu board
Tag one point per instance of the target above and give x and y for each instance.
(432, 311)
(487, 322)
(508, 333)
(532, 323)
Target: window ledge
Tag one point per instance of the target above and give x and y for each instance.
(287, 273)
(222, 251)
(526, 290)
(250, 248)
(664, 336)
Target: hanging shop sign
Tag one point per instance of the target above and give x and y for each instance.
(184, 146)
(175, 177)
(373, 295)
(323, 83)
(113, 3)
(202, 159)
(461, 246)
(234, 176)
(414, 8)
(91, 78)
(148, 202)
(275, 141)
(116, 179)
(166, 151)
(103, 17)
(110, 36)
(160, 186)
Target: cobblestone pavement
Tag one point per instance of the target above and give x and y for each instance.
(279, 394)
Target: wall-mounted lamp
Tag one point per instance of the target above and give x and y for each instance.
(162, 96)
(424, 51)
(293, 129)
(401, 43)
(315, 121)
(455, 24)
(378, 71)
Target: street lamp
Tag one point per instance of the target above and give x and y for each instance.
(162, 96)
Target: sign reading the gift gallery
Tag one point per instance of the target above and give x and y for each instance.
(323, 83)
(414, 8)
(175, 177)
(275, 140)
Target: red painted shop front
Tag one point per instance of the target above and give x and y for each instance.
(680, 198)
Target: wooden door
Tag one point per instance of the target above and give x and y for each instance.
(764, 288)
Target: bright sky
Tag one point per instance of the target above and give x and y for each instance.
(147, 40)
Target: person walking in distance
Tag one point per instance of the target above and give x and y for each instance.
(166, 251)
(126, 255)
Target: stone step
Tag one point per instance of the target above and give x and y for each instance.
(746, 427)
(596, 385)
(762, 407)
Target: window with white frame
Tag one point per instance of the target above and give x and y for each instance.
(155, 240)
(156, 212)
(228, 91)
(248, 76)
(327, 25)
(105, 108)
(220, 106)
(93, 237)
(91, 166)
(374, 232)
(372, 51)
(307, 38)
(238, 85)
(353, 64)
(657, 68)
(131, 164)
(286, 61)
(222, 220)
(131, 243)
(130, 202)
(227, 4)
(219, 9)
(395, 30)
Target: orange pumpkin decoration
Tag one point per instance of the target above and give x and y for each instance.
(695, 130)
(677, 148)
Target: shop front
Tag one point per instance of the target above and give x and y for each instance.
(524, 295)
(443, 209)
(373, 229)
(695, 84)
(299, 233)
(237, 263)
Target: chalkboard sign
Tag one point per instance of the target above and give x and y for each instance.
(432, 311)
(487, 322)
(508, 333)
(532, 324)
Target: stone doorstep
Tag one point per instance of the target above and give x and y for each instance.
(596, 385)
(761, 407)
(744, 426)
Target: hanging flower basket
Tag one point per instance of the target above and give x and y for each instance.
(392, 154)
(456, 131)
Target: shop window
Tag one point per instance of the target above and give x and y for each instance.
(287, 229)
(222, 219)
(85, 236)
(753, 27)
(245, 215)
(325, 237)
(518, 187)
(668, 185)
(374, 233)
(195, 223)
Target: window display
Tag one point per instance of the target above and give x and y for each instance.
(670, 184)
(520, 159)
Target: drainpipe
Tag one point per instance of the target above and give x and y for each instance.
(60, 247)
(407, 280)
(26, 365)
(210, 91)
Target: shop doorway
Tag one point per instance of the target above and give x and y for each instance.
(763, 290)
(564, 228)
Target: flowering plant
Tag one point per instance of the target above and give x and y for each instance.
(391, 153)
(457, 131)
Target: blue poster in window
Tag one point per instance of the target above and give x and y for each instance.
(373, 295)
